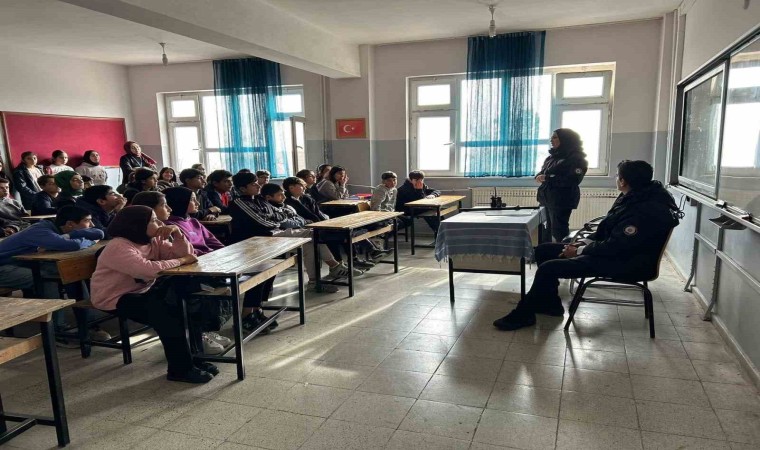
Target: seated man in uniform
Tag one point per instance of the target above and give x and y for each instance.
(627, 245)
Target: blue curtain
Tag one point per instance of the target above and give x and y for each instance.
(246, 101)
(501, 121)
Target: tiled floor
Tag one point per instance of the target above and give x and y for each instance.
(397, 367)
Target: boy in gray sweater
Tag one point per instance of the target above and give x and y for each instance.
(384, 195)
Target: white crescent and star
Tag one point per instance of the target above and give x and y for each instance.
(348, 128)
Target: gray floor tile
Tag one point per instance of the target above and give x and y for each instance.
(679, 419)
(660, 441)
(516, 430)
(374, 409)
(590, 436)
(731, 396)
(336, 434)
(597, 382)
(412, 360)
(600, 409)
(525, 399)
(670, 390)
(403, 440)
(277, 430)
(539, 375)
(442, 419)
(740, 426)
(395, 382)
(460, 391)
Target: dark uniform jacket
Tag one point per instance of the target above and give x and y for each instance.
(407, 193)
(100, 218)
(629, 240)
(564, 170)
(42, 204)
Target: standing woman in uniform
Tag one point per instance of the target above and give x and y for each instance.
(562, 172)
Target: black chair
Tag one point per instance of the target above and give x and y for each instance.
(607, 282)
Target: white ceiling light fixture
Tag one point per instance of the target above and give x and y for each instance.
(492, 25)
(164, 59)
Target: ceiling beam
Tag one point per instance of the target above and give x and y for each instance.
(251, 27)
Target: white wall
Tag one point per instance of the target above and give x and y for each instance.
(633, 46)
(37, 82)
(710, 26)
(145, 82)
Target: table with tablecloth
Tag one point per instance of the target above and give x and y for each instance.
(497, 241)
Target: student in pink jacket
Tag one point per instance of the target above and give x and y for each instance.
(124, 279)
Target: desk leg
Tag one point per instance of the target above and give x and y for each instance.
(350, 264)
(317, 259)
(54, 382)
(411, 231)
(438, 216)
(237, 326)
(522, 278)
(451, 280)
(395, 245)
(301, 297)
(38, 282)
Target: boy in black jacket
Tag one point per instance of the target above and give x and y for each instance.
(414, 188)
(267, 215)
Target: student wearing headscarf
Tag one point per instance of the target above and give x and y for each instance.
(91, 167)
(134, 159)
(182, 204)
(71, 185)
(559, 178)
(141, 247)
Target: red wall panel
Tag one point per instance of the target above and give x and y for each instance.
(42, 134)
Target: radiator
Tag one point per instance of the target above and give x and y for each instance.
(594, 202)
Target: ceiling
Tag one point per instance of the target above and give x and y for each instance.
(60, 28)
(390, 21)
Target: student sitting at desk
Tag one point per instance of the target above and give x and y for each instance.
(11, 211)
(309, 178)
(182, 203)
(72, 187)
(263, 177)
(124, 282)
(195, 180)
(167, 178)
(44, 200)
(69, 231)
(384, 195)
(414, 188)
(103, 203)
(627, 241)
(145, 180)
(333, 187)
(219, 190)
(267, 215)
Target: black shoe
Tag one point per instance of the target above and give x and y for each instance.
(262, 318)
(252, 322)
(194, 375)
(555, 309)
(377, 255)
(515, 320)
(207, 367)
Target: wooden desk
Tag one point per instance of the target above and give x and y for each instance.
(439, 206)
(221, 227)
(67, 263)
(347, 225)
(15, 311)
(340, 208)
(232, 263)
(38, 218)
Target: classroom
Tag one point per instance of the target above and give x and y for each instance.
(453, 224)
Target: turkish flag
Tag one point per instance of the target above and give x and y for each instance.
(351, 128)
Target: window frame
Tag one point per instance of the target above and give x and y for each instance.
(205, 151)
(558, 104)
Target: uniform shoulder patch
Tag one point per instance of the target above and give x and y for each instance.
(630, 230)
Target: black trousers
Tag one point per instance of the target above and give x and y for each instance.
(432, 222)
(259, 294)
(558, 222)
(551, 268)
(152, 309)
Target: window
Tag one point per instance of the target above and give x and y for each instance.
(193, 126)
(568, 97)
